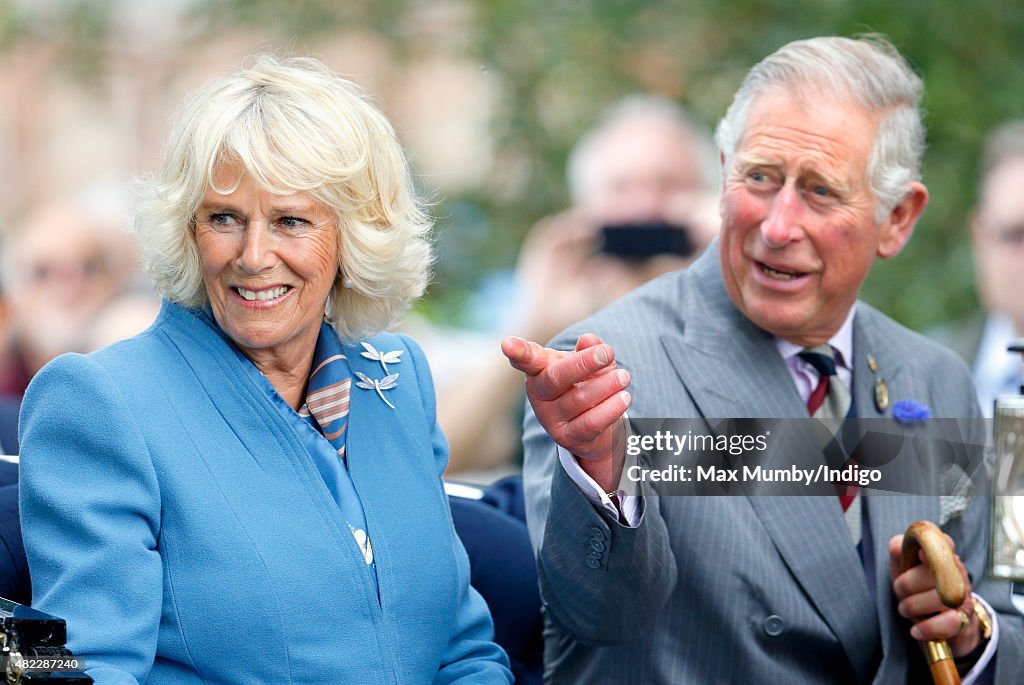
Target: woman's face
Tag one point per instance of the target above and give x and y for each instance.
(269, 262)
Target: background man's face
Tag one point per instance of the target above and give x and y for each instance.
(638, 167)
(798, 228)
(998, 235)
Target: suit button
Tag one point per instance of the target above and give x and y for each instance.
(774, 625)
(597, 533)
(596, 545)
(593, 563)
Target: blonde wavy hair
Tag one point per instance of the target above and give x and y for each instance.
(294, 126)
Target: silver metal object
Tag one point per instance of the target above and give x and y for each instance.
(1008, 500)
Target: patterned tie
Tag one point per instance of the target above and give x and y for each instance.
(327, 399)
(830, 402)
(830, 399)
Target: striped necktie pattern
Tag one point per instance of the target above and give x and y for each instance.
(830, 402)
(327, 399)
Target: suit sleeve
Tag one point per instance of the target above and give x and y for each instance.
(471, 655)
(601, 582)
(90, 513)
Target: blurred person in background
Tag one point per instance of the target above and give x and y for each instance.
(62, 263)
(997, 243)
(230, 466)
(129, 313)
(642, 183)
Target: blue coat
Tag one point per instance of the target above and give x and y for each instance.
(172, 516)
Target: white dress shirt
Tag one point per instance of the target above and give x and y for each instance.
(996, 371)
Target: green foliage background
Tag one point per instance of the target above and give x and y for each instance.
(559, 62)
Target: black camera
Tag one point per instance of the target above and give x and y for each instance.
(639, 242)
(33, 647)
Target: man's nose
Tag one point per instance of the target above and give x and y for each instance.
(782, 224)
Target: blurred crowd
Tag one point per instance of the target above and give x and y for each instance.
(642, 182)
(70, 283)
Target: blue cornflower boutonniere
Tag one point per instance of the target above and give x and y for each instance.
(911, 413)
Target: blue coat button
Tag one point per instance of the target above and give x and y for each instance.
(774, 625)
(597, 533)
(593, 563)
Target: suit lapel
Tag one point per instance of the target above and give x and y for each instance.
(888, 515)
(371, 421)
(875, 364)
(376, 431)
(728, 366)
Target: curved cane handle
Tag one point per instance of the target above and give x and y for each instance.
(941, 560)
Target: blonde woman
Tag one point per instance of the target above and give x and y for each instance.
(249, 491)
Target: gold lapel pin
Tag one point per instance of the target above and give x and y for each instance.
(881, 395)
(872, 363)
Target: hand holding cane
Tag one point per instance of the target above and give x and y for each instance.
(949, 583)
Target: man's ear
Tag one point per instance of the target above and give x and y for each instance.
(895, 231)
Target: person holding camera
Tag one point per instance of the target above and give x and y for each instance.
(642, 183)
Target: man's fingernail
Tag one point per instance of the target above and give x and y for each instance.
(623, 376)
(600, 356)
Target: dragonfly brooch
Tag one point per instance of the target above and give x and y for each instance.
(387, 383)
(385, 358)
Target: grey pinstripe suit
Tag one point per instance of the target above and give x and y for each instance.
(738, 589)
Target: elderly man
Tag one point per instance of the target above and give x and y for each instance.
(820, 152)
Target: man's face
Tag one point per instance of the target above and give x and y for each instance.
(798, 215)
(640, 166)
(998, 234)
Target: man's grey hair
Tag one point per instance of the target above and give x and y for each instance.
(867, 71)
(648, 108)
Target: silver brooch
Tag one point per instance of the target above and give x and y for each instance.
(386, 383)
(385, 358)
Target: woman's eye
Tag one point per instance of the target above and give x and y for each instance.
(293, 222)
(223, 220)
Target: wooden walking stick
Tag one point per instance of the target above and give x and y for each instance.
(941, 560)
